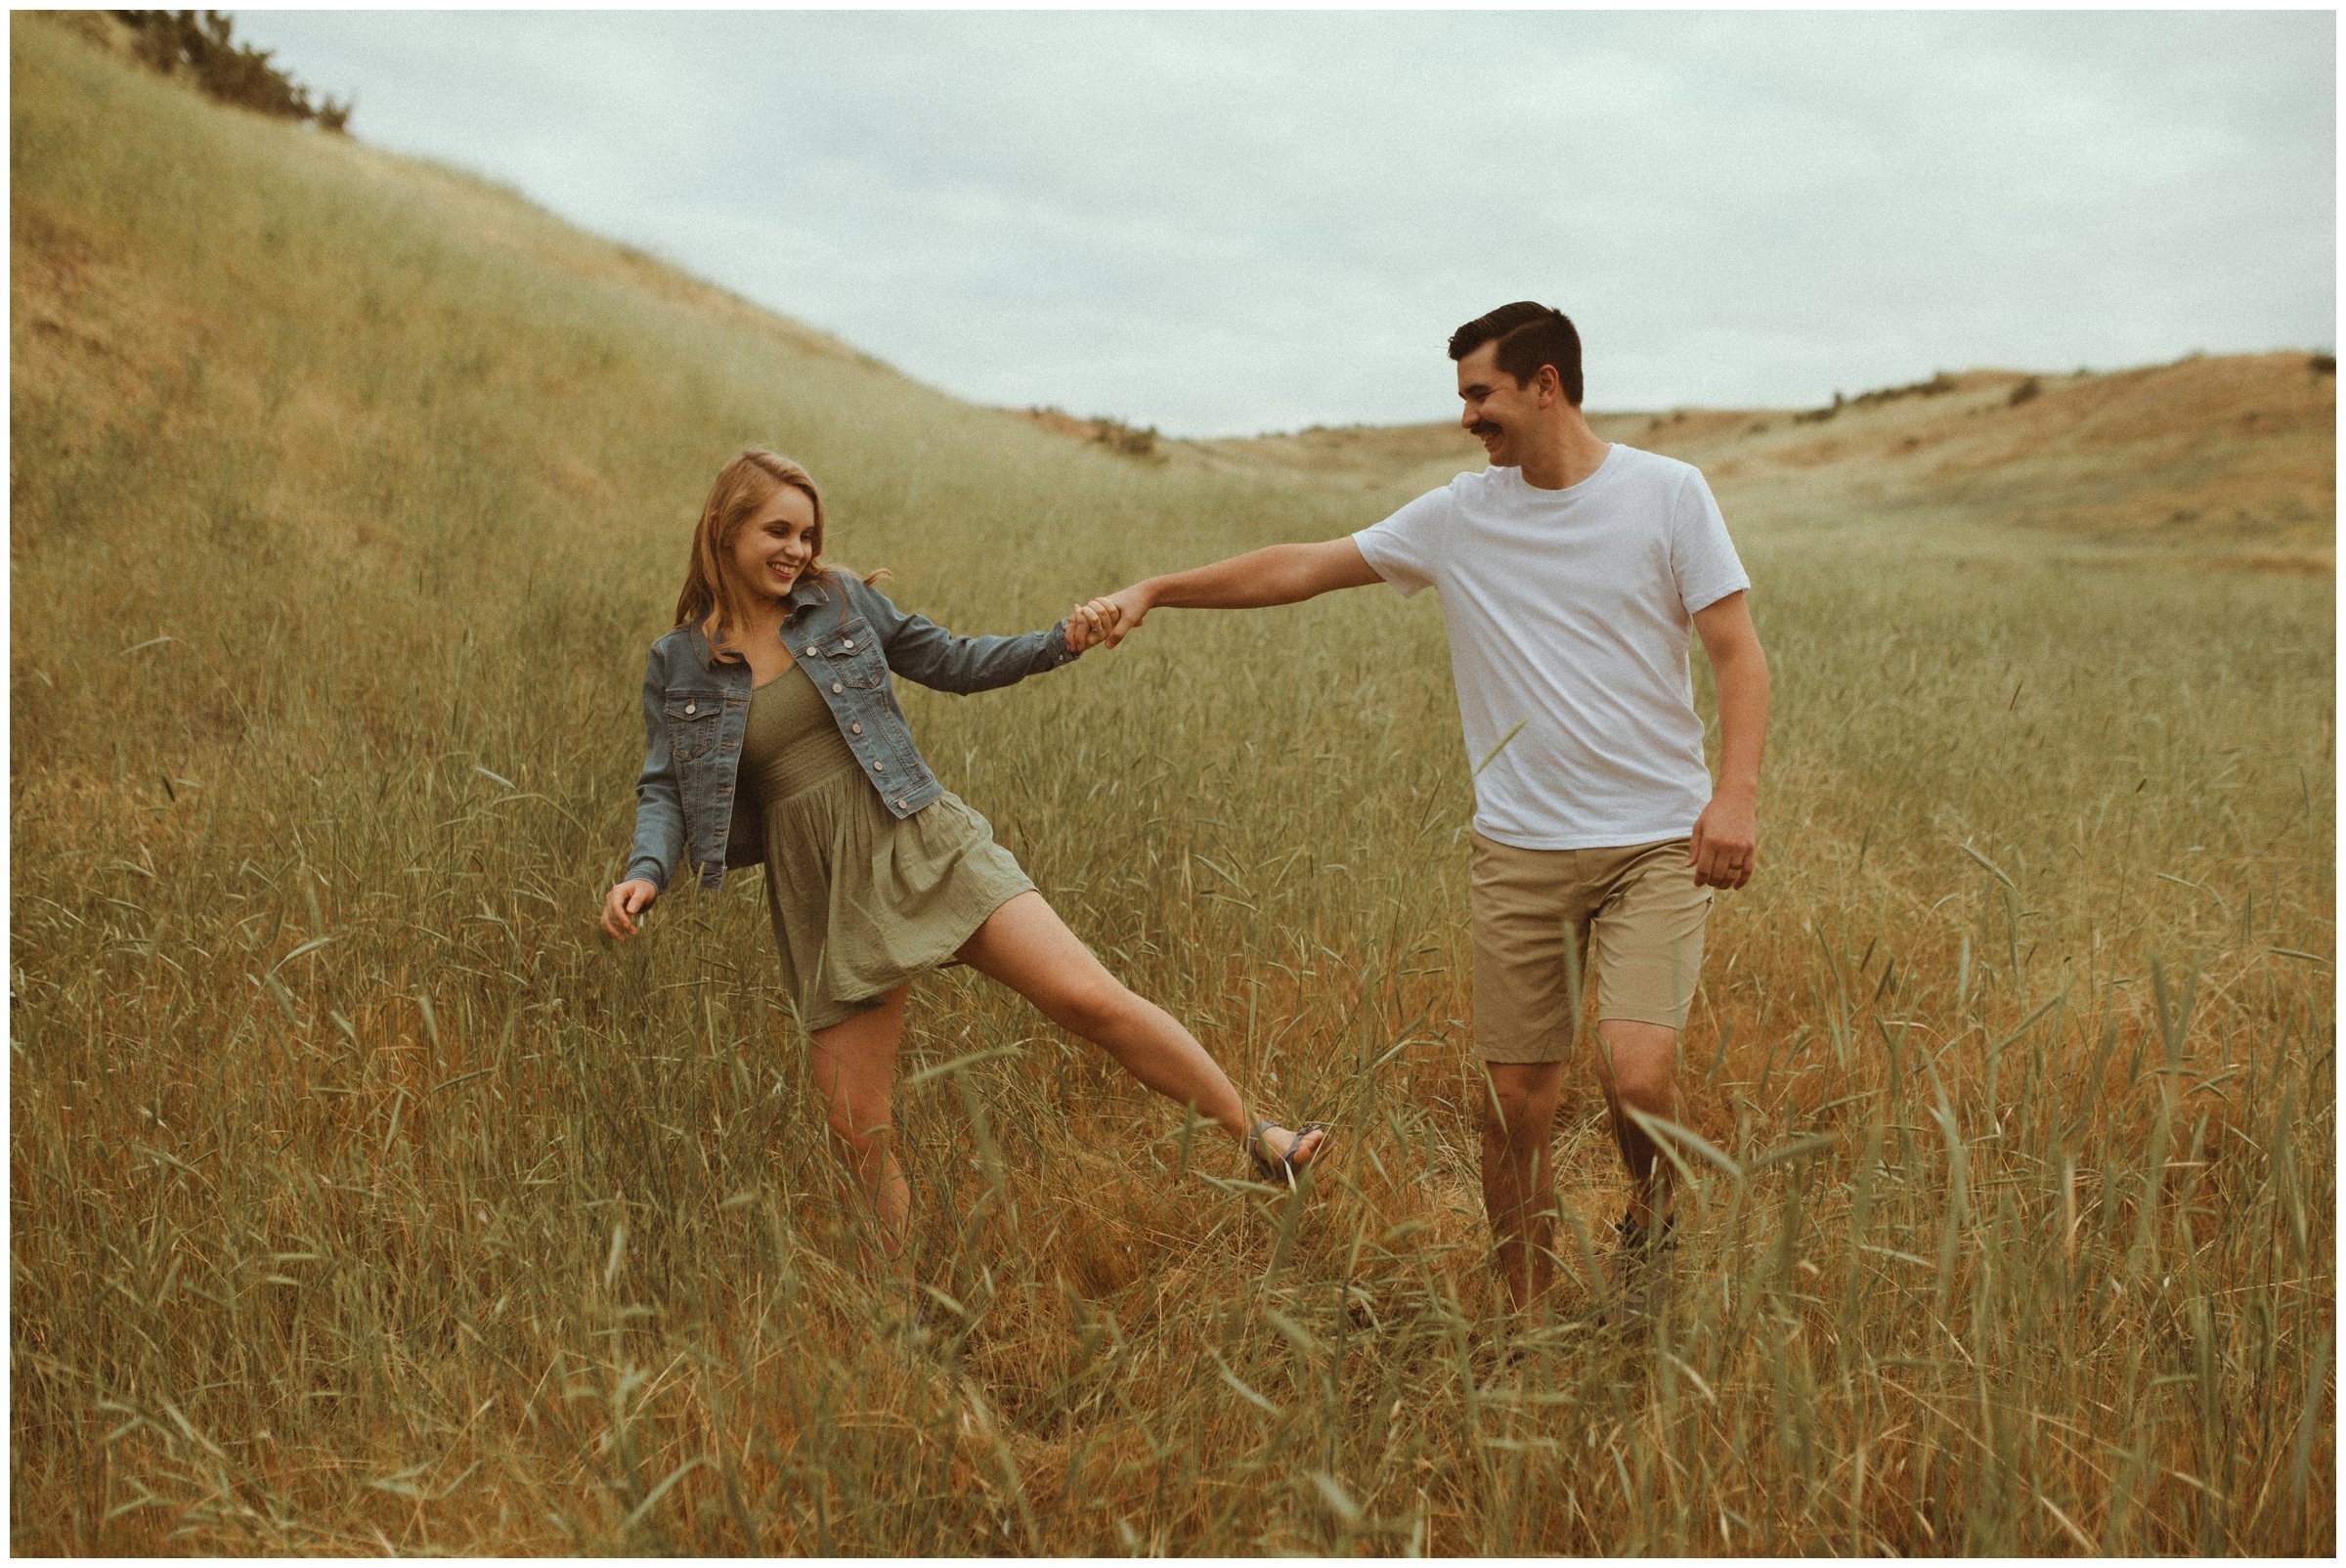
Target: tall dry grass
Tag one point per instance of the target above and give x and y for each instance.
(363, 1200)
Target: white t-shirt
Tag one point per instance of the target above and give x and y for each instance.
(1569, 611)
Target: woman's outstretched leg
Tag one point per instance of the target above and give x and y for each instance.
(1027, 948)
(854, 1066)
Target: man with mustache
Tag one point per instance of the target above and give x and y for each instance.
(1570, 572)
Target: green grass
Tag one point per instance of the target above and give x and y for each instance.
(361, 1197)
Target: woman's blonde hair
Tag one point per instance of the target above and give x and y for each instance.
(745, 485)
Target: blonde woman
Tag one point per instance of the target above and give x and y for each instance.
(771, 736)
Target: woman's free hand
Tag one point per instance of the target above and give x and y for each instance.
(622, 903)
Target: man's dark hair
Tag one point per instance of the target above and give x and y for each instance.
(1529, 336)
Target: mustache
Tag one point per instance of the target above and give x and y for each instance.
(1482, 428)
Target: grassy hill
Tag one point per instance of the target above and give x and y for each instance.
(2230, 461)
(363, 1200)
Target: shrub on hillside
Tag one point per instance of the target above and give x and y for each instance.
(1941, 382)
(1127, 441)
(1124, 440)
(2323, 364)
(2023, 392)
(201, 45)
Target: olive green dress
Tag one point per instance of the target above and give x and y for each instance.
(861, 900)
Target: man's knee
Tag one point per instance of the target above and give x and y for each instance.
(1642, 1063)
(1652, 1087)
(1521, 1106)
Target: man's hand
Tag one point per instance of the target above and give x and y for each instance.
(622, 903)
(1724, 846)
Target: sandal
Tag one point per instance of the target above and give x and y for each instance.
(1284, 1169)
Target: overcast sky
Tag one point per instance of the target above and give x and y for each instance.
(1221, 222)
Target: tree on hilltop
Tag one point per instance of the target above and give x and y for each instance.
(201, 45)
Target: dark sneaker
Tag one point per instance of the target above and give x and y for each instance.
(1641, 1262)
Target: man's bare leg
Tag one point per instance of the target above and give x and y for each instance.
(1518, 1182)
(1638, 1064)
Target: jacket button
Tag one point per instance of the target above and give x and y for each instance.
(811, 650)
(856, 728)
(899, 804)
(878, 767)
(692, 707)
(847, 643)
(835, 687)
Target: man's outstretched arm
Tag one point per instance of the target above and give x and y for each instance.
(1275, 574)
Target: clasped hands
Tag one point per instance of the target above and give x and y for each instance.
(1106, 621)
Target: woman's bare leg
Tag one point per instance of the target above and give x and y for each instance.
(854, 1066)
(1027, 948)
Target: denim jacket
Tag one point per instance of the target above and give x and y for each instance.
(848, 637)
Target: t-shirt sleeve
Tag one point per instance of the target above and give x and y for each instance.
(1702, 558)
(1405, 549)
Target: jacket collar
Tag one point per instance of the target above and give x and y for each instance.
(806, 592)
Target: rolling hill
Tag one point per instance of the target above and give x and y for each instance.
(2230, 458)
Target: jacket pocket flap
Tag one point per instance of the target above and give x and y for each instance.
(844, 642)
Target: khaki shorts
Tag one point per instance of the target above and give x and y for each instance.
(1535, 911)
